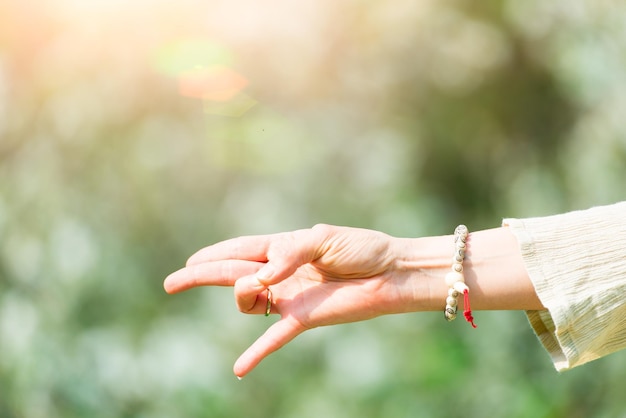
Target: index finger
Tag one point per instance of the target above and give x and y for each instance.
(251, 248)
(282, 253)
(216, 273)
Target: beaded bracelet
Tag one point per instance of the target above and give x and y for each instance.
(456, 280)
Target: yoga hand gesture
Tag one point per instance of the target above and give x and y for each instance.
(312, 277)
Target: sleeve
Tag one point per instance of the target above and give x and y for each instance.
(577, 264)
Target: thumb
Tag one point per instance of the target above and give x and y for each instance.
(288, 251)
(285, 253)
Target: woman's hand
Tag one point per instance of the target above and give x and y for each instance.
(319, 276)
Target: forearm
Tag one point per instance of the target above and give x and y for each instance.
(493, 269)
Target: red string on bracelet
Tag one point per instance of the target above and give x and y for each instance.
(468, 311)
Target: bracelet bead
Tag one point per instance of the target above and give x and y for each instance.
(455, 279)
(460, 287)
(450, 313)
(461, 231)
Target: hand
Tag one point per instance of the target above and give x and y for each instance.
(319, 276)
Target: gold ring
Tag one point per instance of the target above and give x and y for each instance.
(268, 305)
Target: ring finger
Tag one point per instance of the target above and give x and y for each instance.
(253, 297)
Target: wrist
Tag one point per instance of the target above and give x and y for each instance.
(494, 271)
(420, 267)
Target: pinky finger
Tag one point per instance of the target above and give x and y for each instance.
(276, 336)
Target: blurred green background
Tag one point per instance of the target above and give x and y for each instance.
(134, 133)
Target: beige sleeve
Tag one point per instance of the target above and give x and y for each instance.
(577, 263)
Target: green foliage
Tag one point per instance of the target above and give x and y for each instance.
(120, 156)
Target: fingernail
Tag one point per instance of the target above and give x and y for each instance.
(265, 272)
(239, 377)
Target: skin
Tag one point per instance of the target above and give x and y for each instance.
(329, 275)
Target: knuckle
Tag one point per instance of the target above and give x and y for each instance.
(322, 229)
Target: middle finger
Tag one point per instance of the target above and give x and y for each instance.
(214, 273)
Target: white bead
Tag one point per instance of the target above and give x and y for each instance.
(450, 301)
(461, 244)
(453, 293)
(460, 287)
(453, 277)
(461, 230)
(450, 313)
(457, 267)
